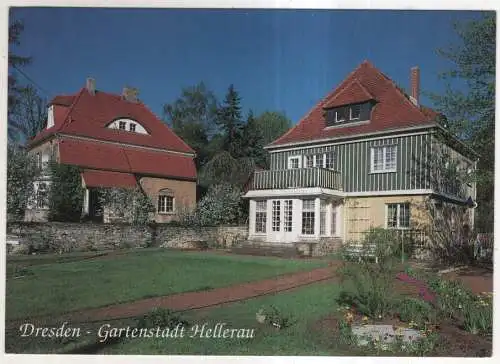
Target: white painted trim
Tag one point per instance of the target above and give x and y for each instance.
(346, 124)
(330, 141)
(388, 193)
(139, 129)
(290, 161)
(70, 136)
(313, 191)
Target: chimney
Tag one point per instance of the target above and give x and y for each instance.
(90, 86)
(415, 84)
(130, 94)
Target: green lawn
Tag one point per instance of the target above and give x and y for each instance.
(305, 305)
(58, 284)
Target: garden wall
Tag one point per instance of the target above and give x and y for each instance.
(67, 237)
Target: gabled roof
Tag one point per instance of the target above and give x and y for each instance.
(393, 110)
(88, 115)
(96, 155)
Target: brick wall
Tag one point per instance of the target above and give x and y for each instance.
(67, 237)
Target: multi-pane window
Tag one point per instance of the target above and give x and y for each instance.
(333, 227)
(398, 215)
(287, 210)
(260, 216)
(318, 160)
(308, 217)
(165, 201)
(355, 112)
(276, 215)
(294, 162)
(122, 125)
(41, 196)
(309, 161)
(322, 217)
(330, 160)
(341, 114)
(39, 160)
(384, 159)
(131, 127)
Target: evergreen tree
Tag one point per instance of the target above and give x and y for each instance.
(230, 123)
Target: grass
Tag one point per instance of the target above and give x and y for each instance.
(306, 305)
(57, 284)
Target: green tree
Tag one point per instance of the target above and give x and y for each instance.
(230, 122)
(192, 117)
(470, 114)
(21, 173)
(66, 193)
(272, 125)
(253, 142)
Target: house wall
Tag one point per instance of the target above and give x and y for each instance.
(362, 213)
(184, 195)
(353, 161)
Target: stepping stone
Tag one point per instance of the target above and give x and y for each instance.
(385, 334)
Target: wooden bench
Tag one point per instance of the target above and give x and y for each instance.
(361, 251)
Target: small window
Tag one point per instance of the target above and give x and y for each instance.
(309, 161)
(260, 216)
(355, 112)
(165, 201)
(398, 216)
(122, 125)
(308, 212)
(330, 160)
(341, 115)
(131, 127)
(383, 159)
(294, 162)
(39, 160)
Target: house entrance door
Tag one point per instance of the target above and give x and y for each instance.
(282, 221)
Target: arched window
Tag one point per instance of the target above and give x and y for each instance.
(166, 201)
(128, 125)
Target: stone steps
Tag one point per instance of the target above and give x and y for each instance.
(283, 251)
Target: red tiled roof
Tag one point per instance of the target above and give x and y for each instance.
(88, 115)
(95, 178)
(353, 93)
(128, 159)
(393, 109)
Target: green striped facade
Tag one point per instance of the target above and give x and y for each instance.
(353, 158)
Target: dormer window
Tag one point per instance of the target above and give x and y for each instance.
(339, 116)
(354, 112)
(129, 125)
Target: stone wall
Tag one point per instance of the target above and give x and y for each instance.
(67, 237)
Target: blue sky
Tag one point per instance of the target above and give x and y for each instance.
(284, 60)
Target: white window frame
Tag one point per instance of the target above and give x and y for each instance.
(314, 217)
(164, 211)
(337, 120)
(350, 112)
(398, 216)
(385, 149)
(276, 215)
(132, 127)
(287, 216)
(259, 209)
(323, 218)
(294, 157)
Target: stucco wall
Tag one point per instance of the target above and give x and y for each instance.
(362, 213)
(184, 195)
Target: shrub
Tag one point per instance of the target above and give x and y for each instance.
(221, 205)
(368, 288)
(416, 310)
(65, 193)
(274, 317)
(452, 296)
(478, 316)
